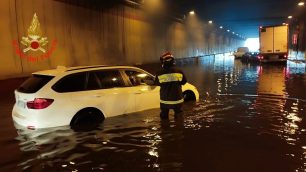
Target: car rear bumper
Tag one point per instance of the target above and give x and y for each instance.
(33, 119)
(22, 119)
(274, 60)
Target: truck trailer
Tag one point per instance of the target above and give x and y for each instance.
(273, 41)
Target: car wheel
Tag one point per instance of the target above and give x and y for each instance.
(189, 96)
(87, 119)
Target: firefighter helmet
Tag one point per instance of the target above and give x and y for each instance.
(167, 57)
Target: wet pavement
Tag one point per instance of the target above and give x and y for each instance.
(250, 118)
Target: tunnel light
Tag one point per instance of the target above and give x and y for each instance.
(301, 3)
(289, 17)
(134, 3)
(221, 27)
(210, 21)
(192, 12)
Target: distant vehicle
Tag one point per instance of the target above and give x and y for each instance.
(273, 42)
(85, 95)
(251, 57)
(240, 52)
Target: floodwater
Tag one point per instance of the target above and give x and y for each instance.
(250, 119)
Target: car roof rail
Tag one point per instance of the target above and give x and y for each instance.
(85, 67)
(61, 67)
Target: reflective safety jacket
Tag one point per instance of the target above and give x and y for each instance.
(170, 81)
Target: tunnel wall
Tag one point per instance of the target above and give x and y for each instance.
(81, 35)
(301, 32)
(297, 35)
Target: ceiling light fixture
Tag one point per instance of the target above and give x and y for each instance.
(210, 21)
(289, 17)
(192, 12)
(301, 3)
(221, 27)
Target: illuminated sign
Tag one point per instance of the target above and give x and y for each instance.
(34, 42)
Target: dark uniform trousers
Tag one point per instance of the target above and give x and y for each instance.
(165, 108)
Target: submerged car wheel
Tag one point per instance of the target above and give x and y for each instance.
(189, 96)
(87, 119)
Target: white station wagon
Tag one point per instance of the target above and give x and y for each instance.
(86, 95)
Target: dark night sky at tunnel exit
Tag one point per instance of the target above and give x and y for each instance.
(241, 16)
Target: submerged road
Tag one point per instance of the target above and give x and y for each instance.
(250, 118)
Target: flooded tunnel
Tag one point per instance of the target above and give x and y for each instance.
(249, 116)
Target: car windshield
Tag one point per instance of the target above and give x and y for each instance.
(34, 83)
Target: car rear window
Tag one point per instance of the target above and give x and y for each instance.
(71, 83)
(34, 83)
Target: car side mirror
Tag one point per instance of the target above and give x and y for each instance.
(149, 81)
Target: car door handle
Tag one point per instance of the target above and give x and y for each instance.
(97, 96)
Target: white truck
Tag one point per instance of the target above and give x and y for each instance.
(240, 52)
(273, 42)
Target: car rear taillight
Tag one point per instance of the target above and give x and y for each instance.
(39, 103)
(31, 127)
(285, 56)
(260, 57)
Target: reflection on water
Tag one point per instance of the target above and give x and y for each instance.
(231, 128)
(250, 118)
(125, 142)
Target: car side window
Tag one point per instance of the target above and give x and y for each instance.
(71, 83)
(137, 77)
(93, 82)
(110, 79)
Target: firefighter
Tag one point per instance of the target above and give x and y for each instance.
(170, 79)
